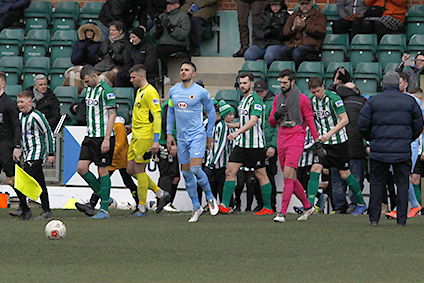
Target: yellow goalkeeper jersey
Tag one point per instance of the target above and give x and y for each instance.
(146, 118)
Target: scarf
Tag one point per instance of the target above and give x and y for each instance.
(119, 38)
(37, 97)
(292, 101)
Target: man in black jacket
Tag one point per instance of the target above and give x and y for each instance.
(390, 121)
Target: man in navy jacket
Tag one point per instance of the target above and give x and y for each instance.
(390, 121)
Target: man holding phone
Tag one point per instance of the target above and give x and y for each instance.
(415, 66)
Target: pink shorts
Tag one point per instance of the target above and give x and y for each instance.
(290, 149)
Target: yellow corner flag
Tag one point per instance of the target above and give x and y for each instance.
(70, 204)
(26, 184)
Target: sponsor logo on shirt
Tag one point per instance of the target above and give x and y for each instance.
(322, 113)
(192, 97)
(155, 101)
(258, 107)
(91, 102)
(111, 95)
(182, 105)
(339, 103)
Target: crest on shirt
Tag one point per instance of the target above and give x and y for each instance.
(182, 105)
(258, 107)
(155, 101)
(339, 103)
(192, 96)
(111, 95)
(138, 104)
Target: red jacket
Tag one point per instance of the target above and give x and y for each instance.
(395, 8)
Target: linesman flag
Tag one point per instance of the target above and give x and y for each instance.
(26, 184)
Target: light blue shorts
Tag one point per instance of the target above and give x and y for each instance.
(193, 147)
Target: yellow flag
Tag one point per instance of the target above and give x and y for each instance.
(70, 204)
(26, 184)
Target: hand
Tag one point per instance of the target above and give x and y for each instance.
(174, 150)
(209, 143)
(326, 137)
(368, 150)
(128, 129)
(233, 136)
(170, 141)
(319, 150)
(155, 148)
(50, 159)
(104, 148)
(280, 112)
(17, 154)
(405, 57)
(270, 152)
(166, 21)
(157, 21)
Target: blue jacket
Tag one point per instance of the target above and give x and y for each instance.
(9, 5)
(390, 121)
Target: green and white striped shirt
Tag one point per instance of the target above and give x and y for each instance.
(251, 105)
(98, 99)
(37, 137)
(326, 111)
(218, 155)
(307, 157)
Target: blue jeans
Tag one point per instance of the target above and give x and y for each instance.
(298, 54)
(270, 53)
(357, 168)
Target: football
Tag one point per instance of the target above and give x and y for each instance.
(55, 230)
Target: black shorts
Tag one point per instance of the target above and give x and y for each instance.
(419, 167)
(6, 159)
(337, 156)
(249, 157)
(90, 150)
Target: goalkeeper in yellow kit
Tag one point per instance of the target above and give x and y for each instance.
(146, 128)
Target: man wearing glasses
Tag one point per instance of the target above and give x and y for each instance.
(331, 119)
(414, 70)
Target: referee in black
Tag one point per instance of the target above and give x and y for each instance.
(10, 136)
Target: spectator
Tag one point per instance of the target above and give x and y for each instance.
(11, 11)
(390, 121)
(351, 14)
(305, 30)
(45, 101)
(244, 7)
(171, 30)
(414, 70)
(267, 35)
(140, 51)
(111, 53)
(200, 11)
(391, 20)
(122, 10)
(83, 52)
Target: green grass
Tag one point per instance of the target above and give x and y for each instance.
(234, 248)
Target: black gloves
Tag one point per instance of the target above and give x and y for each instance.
(280, 112)
(319, 150)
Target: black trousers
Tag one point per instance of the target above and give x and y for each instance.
(248, 178)
(216, 179)
(378, 174)
(271, 171)
(164, 51)
(168, 171)
(10, 18)
(343, 26)
(34, 168)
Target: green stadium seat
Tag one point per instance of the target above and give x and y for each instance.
(11, 41)
(66, 94)
(57, 71)
(13, 90)
(34, 66)
(65, 108)
(65, 16)
(124, 110)
(330, 11)
(390, 66)
(367, 77)
(334, 48)
(305, 71)
(363, 48)
(38, 15)
(257, 68)
(231, 96)
(274, 71)
(391, 48)
(415, 20)
(36, 43)
(332, 67)
(124, 95)
(90, 11)
(61, 44)
(12, 66)
(415, 44)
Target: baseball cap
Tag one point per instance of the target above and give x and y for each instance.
(305, 1)
(260, 86)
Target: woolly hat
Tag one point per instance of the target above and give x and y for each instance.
(90, 25)
(391, 78)
(225, 108)
(139, 32)
(120, 119)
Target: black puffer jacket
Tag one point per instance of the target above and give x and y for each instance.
(269, 30)
(49, 105)
(115, 50)
(125, 11)
(353, 103)
(143, 53)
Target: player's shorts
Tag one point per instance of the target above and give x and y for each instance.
(193, 148)
(419, 167)
(91, 150)
(249, 157)
(139, 150)
(337, 156)
(6, 159)
(290, 150)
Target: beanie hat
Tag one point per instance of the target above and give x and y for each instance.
(215, 102)
(139, 32)
(120, 119)
(225, 108)
(391, 78)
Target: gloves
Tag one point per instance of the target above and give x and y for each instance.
(193, 8)
(280, 112)
(166, 21)
(319, 150)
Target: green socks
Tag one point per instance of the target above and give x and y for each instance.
(229, 187)
(313, 185)
(417, 191)
(356, 189)
(105, 185)
(92, 182)
(266, 191)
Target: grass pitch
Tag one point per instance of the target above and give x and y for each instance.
(225, 248)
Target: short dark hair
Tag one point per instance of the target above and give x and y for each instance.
(287, 73)
(25, 94)
(118, 24)
(139, 68)
(87, 70)
(404, 76)
(3, 76)
(191, 64)
(314, 82)
(249, 75)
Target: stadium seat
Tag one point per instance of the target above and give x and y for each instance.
(65, 108)
(332, 67)
(330, 11)
(415, 20)
(125, 111)
(12, 66)
(90, 12)
(390, 66)
(65, 16)
(38, 15)
(34, 66)
(57, 71)
(231, 96)
(367, 77)
(13, 90)
(66, 94)
(257, 68)
(363, 48)
(334, 48)
(124, 95)
(61, 44)
(305, 71)
(391, 48)
(415, 44)
(11, 41)
(36, 43)
(274, 71)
